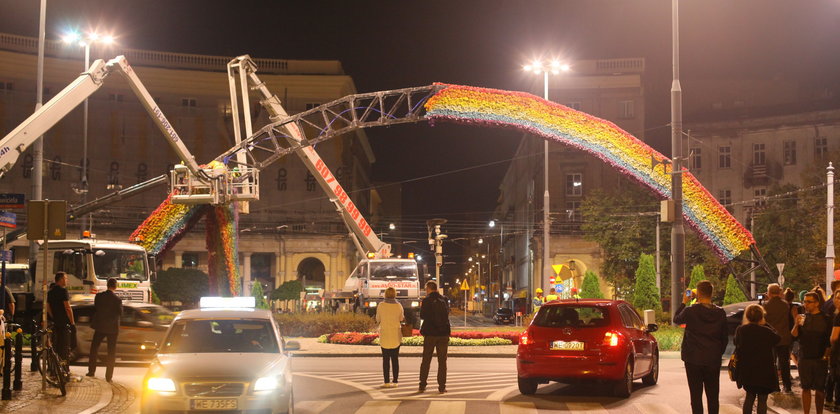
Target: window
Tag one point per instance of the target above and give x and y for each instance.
(312, 105)
(221, 335)
(695, 161)
(790, 152)
(6, 87)
(724, 156)
(758, 154)
(574, 105)
(188, 102)
(573, 210)
(189, 260)
(820, 147)
(572, 316)
(725, 197)
(70, 261)
(574, 184)
(115, 97)
(630, 318)
(758, 197)
(626, 109)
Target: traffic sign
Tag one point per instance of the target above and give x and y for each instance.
(8, 220)
(6, 255)
(465, 285)
(11, 200)
(557, 268)
(560, 288)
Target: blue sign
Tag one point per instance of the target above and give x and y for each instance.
(6, 255)
(11, 200)
(8, 220)
(559, 288)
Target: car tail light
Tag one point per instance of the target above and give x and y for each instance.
(524, 340)
(612, 339)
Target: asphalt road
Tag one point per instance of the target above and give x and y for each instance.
(475, 385)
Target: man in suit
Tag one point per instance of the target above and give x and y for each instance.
(106, 324)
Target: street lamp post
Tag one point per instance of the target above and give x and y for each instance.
(501, 259)
(677, 228)
(85, 42)
(554, 67)
(829, 245)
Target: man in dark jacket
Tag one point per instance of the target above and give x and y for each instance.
(106, 324)
(703, 345)
(814, 332)
(61, 314)
(778, 316)
(435, 329)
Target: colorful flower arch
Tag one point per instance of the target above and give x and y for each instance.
(603, 139)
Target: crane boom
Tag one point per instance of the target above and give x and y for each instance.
(362, 234)
(20, 138)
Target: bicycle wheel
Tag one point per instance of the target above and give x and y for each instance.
(46, 364)
(58, 373)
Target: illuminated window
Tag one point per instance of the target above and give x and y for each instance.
(574, 184)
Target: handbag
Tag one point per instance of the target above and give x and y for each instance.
(733, 367)
(406, 329)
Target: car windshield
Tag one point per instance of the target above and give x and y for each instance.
(220, 335)
(393, 270)
(505, 311)
(119, 264)
(17, 276)
(157, 315)
(572, 316)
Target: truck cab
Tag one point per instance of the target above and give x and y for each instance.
(89, 263)
(372, 276)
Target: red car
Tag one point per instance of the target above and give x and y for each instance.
(587, 340)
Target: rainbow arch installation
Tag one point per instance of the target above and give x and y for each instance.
(598, 137)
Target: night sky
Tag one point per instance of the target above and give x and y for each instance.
(395, 44)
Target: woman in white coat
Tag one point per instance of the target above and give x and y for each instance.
(389, 314)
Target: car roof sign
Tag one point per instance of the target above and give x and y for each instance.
(233, 302)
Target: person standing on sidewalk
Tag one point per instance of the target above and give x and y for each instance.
(814, 332)
(435, 330)
(58, 308)
(755, 341)
(832, 389)
(389, 314)
(704, 342)
(106, 324)
(779, 317)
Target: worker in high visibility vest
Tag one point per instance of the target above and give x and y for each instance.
(538, 300)
(552, 295)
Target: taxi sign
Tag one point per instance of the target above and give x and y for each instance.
(465, 285)
(234, 302)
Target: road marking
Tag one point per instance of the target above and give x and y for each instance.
(311, 407)
(501, 393)
(655, 408)
(517, 408)
(374, 393)
(447, 407)
(378, 407)
(586, 407)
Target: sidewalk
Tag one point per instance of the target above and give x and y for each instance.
(85, 395)
(309, 347)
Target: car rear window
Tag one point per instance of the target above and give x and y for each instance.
(577, 316)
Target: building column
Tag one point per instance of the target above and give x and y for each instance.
(179, 262)
(246, 274)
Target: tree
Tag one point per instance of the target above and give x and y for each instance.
(184, 285)
(289, 290)
(646, 295)
(259, 296)
(591, 288)
(697, 275)
(733, 294)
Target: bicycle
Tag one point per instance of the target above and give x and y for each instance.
(52, 368)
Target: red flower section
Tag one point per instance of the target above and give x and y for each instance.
(356, 338)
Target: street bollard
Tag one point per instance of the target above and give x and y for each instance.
(33, 342)
(7, 368)
(18, 383)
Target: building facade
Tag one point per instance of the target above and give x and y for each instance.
(292, 232)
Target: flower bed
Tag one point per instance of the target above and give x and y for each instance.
(464, 338)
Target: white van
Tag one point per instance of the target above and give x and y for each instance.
(18, 278)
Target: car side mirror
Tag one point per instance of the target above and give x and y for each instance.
(292, 346)
(144, 324)
(652, 327)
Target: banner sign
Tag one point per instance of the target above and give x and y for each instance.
(8, 220)
(11, 200)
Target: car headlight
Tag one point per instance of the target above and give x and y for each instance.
(160, 384)
(415, 304)
(372, 304)
(267, 383)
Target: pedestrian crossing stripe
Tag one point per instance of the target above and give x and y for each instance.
(505, 407)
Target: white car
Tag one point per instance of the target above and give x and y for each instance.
(221, 358)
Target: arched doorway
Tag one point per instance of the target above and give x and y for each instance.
(310, 272)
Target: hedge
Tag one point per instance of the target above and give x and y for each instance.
(314, 325)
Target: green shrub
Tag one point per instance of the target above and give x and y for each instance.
(733, 294)
(669, 337)
(184, 285)
(259, 296)
(314, 325)
(646, 295)
(591, 288)
(698, 274)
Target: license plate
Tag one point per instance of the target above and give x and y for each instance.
(567, 345)
(214, 404)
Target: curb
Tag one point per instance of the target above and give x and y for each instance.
(402, 354)
(104, 397)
